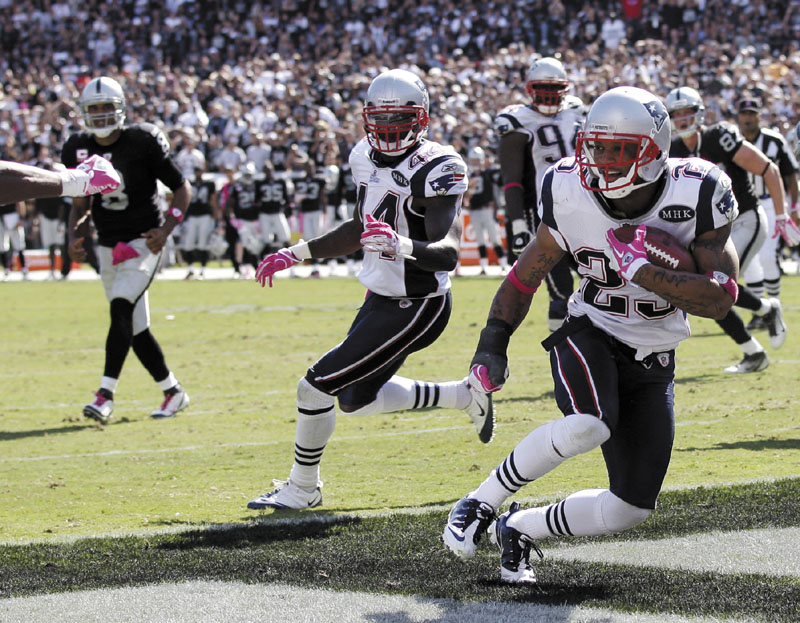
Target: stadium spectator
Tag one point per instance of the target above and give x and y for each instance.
(408, 304)
(131, 233)
(613, 368)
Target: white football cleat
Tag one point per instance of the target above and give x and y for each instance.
(99, 409)
(515, 550)
(175, 399)
(775, 324)
(481, 411)
(466, 523)
(750, 363)
(288, 495)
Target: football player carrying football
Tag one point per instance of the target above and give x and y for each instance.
(723, 143)
(131, 234)
(613, 359)
(407, 221)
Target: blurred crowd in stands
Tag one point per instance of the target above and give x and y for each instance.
(232, 81)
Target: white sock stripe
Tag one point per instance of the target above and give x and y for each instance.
(509, 476)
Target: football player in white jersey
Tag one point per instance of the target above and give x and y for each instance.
(407, 221)
(765, 275)
(533, 137)
(613, 359)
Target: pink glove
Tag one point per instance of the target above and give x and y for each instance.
(93, 175)
(479, 379)
(627, 258)
(785, 227)
(274, 263)
(381, 238)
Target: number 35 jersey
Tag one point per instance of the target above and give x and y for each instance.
(141, 156)
(388, 193)
(694, 197)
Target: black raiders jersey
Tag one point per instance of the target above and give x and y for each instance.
(483, 190)
(243, 198)
(310, 192)
(718, 144)
(202, 191)
(141, 156)
(775, 148)
(273, 195)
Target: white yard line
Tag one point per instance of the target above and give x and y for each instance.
(234, 602)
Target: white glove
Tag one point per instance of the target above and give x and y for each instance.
(785, 227)
(381, 238)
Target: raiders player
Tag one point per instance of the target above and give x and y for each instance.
(199, 222)
(242, 208)
(481, 206)
(613, 359)
(533, 137)
(723, 144)
(766, 274)
(407, 221)
(274, 195)
(131, 233)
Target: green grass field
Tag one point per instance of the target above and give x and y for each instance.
(239, 351)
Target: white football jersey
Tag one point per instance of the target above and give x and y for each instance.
(550, 137)
(696, 198)
(386, 193)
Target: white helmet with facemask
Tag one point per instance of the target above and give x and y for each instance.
(686, 98)
(101, 91)
(625, 142)
(396, 111)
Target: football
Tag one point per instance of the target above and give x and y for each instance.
(663, 249)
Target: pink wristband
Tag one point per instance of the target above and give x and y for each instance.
(176, 213)
(512, 185)
(728, 284)
(517, 283)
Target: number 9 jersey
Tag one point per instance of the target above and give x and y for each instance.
(550, 138)
(396, 195)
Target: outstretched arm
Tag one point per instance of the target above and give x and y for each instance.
(489, 367)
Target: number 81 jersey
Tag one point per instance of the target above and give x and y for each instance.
(694, 197)
(388, 193)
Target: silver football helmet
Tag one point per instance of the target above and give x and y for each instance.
(101, 91)
(680, 99)
(625, 142)
(396, 111)
(547, 84)
(247, 172)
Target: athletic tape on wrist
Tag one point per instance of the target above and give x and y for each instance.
(515, 281)
(728, 284)
(301, 250)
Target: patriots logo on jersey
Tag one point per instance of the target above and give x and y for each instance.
(442, 185)
(657, 112)
(726, 204)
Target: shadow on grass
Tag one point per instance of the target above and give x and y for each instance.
(754, 445)
(44, 432)
(286, 528)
